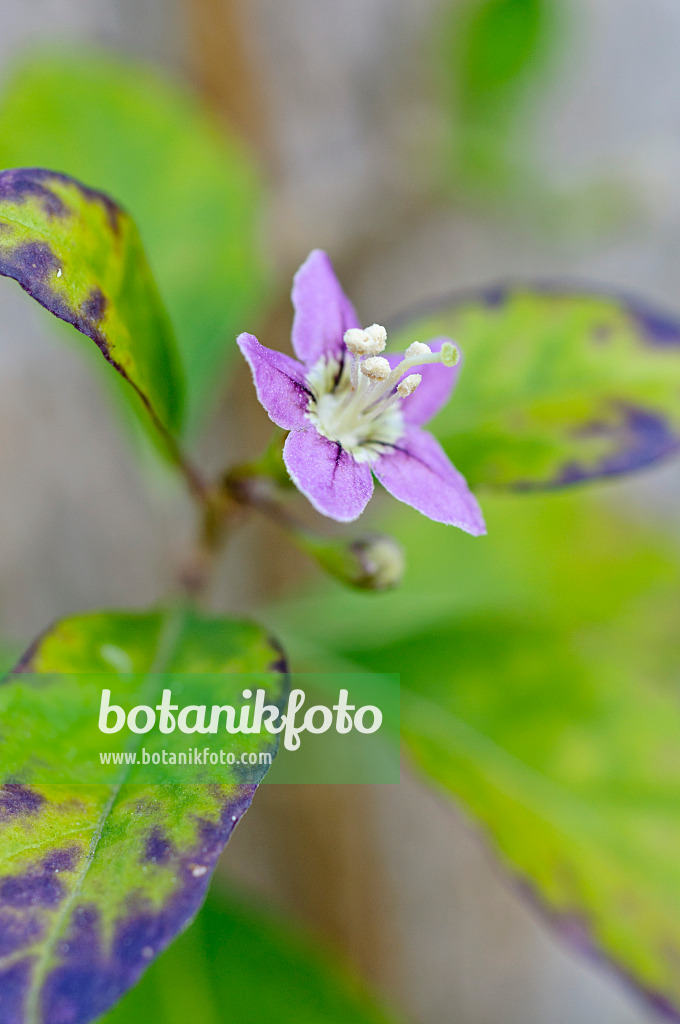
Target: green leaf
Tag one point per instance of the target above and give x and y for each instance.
(497, 44)
(191, 188)
(239, 965)
(79, 255)
(540, 689)
(98, 879)
(557, 386)
(493, 55)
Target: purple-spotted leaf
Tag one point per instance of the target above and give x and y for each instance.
(97, 879)
(191, 184)
(78, 254)
(218, 964)
(558, 386)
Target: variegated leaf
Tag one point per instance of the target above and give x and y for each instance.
(96, 880)
(558, 385)
(79, 255)
(214, 973)
(191, 184)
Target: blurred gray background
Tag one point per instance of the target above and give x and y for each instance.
(337, 98)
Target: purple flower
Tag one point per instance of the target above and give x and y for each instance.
(352, 412)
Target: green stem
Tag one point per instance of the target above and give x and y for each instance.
(373, 562)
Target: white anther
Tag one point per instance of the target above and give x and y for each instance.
(408, 385)
(366, 343)
(418, 348)
(378, 336)
(357, 341)
(376, 368)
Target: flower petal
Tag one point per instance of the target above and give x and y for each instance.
(329, 476)
(419, 473)
(322, 310)
(434, 390)
(279, 381)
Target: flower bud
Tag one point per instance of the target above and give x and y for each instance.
(382, 562)
(374, 562)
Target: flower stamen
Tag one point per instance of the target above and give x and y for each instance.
(361, 412)
(376, 368)
(408, 385)
(418, 348)
(361, 343)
